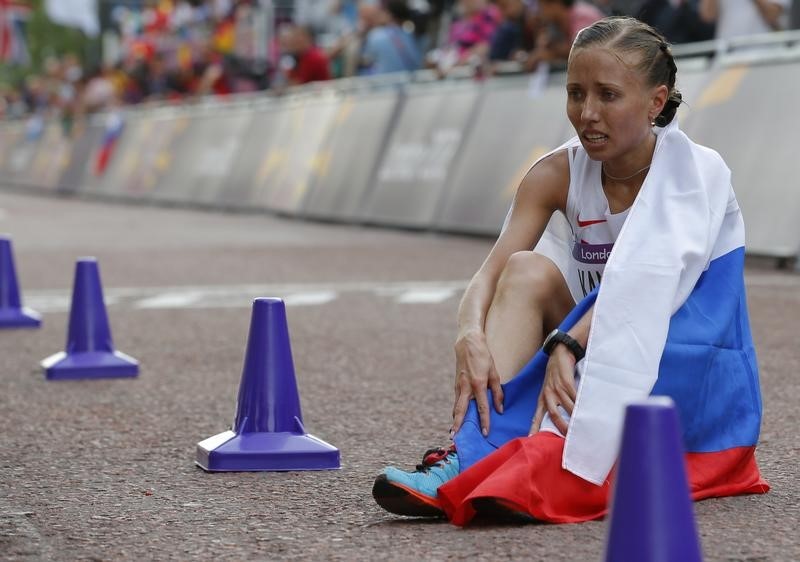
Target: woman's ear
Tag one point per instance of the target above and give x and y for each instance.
(658, 100)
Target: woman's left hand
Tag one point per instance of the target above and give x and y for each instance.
(558, 389)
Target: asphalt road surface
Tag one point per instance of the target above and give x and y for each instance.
(104, 470)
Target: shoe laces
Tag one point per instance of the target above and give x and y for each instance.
(433, 457)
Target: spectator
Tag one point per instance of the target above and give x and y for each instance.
(158, 83)
(515, 32)
(678, 20)
(469, 36)
(431, 20)
(306, 63)
(419, 21)
(163, 51)
(214, 77)
(314, 14)
(12, 104)
(473, 32)
(99, 93)
(129, 79)
(35, 94)
(328, 19)
(735, 18)
(387, 47)
(562, 20)
(336, 36)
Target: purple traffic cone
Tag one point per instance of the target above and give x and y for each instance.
(268, 432)
(652, 518)
(90, 352)
(12, 313)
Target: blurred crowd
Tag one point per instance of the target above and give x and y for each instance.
(174, 50)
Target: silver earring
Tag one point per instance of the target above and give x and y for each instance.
(652, 122)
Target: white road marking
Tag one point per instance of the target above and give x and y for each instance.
(241, 296)
(170, 300)
(304, 294)
(426, 296)
(55, 302)
(46, 303)
(305, 299)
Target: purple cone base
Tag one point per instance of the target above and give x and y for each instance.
(90, 365)
(19, 318)
(12, 313)
(267, 432)
(275, 451)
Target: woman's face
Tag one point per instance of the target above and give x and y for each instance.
(609, 104)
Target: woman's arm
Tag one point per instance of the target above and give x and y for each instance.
(558, 388)
(771, 12)
(541, 192)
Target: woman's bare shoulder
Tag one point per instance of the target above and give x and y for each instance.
(547, 181)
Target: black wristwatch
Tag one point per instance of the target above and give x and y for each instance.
(556, 337)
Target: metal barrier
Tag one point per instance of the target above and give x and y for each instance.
(513, 128)
(402, 150)
(347, 160)
(85, 143)
(200, 162)
(292, 160)
(418, 160)
(748, 115)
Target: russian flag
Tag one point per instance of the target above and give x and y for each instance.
(14, 16)
(113, 130)
(705, 362)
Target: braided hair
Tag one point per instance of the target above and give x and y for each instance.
(656, 64)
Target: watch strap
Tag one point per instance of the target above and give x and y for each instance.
(556, 337)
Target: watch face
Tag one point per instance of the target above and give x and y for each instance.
(547, 346)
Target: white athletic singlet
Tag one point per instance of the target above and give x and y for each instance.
(594, 227)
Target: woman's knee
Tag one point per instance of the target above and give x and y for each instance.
(531, 275)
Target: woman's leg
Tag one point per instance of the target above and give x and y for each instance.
(531, 299)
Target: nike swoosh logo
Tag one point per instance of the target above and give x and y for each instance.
(583, 224)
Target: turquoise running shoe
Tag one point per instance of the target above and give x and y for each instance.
(415, 493)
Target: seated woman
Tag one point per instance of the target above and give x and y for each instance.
(654, 216)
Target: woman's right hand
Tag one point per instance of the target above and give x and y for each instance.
(475, 372)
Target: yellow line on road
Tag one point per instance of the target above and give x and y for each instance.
(723, 87)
